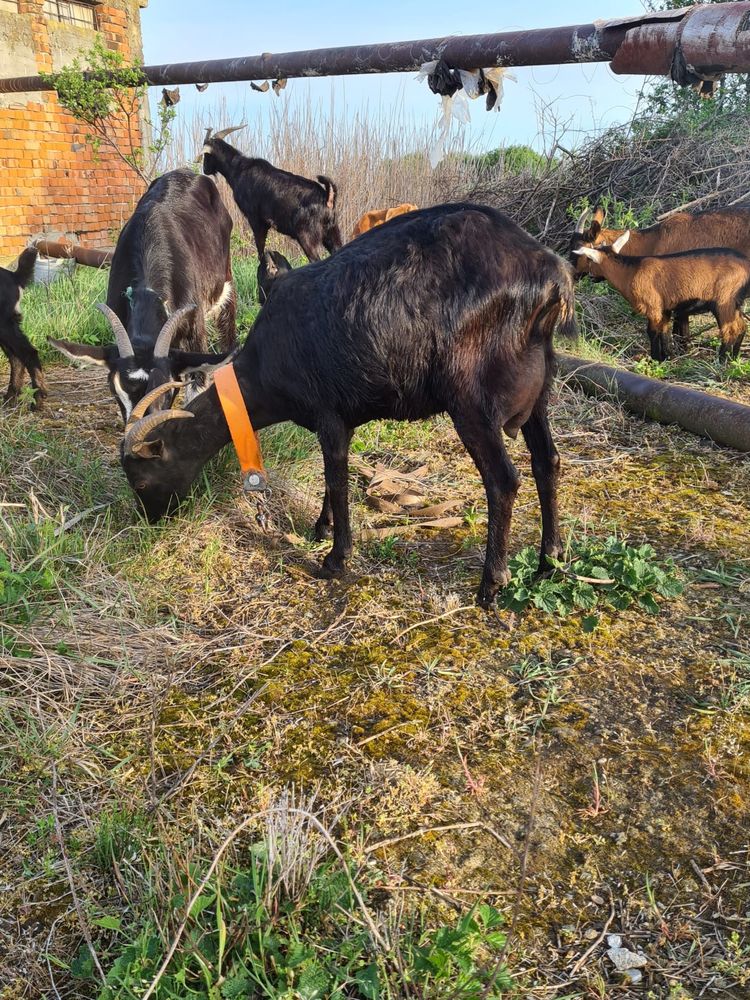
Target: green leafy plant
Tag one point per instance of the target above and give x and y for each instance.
(106, 93)
(244, 941)
(609, 574)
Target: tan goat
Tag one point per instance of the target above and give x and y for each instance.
(714, 280)
(380, 215)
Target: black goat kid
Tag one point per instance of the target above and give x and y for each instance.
(15, 345)
(271, 198)
(452, 308)
(171, 270)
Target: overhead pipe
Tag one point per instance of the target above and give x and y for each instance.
(693, 43)
(721, 420)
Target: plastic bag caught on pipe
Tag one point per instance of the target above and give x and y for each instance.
(454, 105)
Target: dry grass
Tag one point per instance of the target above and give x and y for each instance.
(182, 677)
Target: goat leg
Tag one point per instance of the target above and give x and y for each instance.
(335, 438)
(732, 328)
(324, 525)
(482, 438)
(545, 465)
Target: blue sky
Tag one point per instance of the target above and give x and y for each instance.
(588, 97)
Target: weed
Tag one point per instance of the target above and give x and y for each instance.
(250, 937)
(609, 574)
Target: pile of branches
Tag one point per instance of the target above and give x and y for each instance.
(639, 169)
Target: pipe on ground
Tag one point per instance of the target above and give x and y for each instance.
(721, 420)
(71, 251)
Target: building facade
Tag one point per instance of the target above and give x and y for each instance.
(51, 183)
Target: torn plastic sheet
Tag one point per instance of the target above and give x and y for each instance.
(474, 83)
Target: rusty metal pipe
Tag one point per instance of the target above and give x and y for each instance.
(71, 251)
(715, 37)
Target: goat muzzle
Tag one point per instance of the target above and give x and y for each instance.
(122, 339)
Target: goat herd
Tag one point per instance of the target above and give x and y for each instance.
(446, 309)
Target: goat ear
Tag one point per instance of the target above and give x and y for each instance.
(595, 255)
(148, 449)
(86, 353)
(598, 215)
(621, 241)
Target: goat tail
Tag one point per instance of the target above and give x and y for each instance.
(25, 268)
(567, 326)
(330, 189)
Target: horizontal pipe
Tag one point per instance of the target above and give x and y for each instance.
(582, 43)
(71, 251)
(720, 420)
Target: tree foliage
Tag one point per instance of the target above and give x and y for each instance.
(101, 91)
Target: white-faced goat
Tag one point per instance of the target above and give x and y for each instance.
(451, 308)
(15, 345)
(271, 198)
(171, 270)
(726, 228)
(715, 281)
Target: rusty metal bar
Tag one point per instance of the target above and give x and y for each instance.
(710, 38)
(68, 251)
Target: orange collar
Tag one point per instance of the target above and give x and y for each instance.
(244, 437)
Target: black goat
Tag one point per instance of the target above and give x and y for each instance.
(15, 345)
(172, 254)
(272, 265)
(271, 198)
(451, 308)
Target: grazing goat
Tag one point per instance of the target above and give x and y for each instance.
(271, 198)
(724, 228)
(15, 345)
(378, 216)
(173, 252)
(272, 266)
(713, 280)
(451, 308)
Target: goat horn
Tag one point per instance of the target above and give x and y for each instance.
(142, 428)
(228, 131)
(141, 407)
(581, 224)
(170, 328)
(209, 132)
(121, 334)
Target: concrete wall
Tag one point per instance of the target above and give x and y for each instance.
(50, 181)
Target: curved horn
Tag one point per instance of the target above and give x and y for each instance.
(170, 328)
(143, 427)
(228, 131)
(141, 407)
(121, 334)
(583, 218)
(209, 133)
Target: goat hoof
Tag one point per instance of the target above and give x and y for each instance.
(488, 589)
(323, 531)
(331, 568)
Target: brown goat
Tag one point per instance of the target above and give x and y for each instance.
(380, 215)
(713, 280)
(723, 227)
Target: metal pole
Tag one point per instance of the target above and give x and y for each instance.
(82, 255)
(713, 38)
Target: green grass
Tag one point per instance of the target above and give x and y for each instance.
(66, 309)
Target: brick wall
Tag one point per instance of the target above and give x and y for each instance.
(50, 181)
